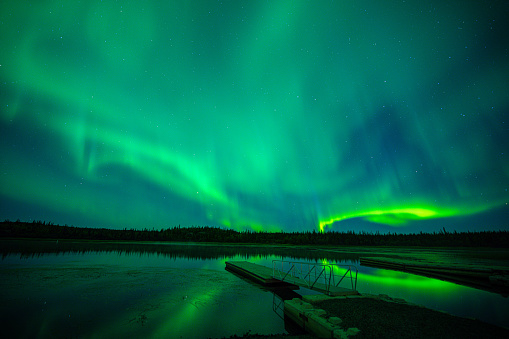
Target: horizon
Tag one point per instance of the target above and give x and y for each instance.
(441, 230)
(284, 116)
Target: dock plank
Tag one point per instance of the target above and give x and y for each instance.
(257, 273)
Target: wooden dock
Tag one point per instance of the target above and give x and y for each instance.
(263, 276)
(257, 273)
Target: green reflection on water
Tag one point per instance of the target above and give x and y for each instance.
(121, 300)
(393, 278)
(397, 280)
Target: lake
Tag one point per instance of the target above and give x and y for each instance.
(103, 290)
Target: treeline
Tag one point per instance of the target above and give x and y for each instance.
(41, 229)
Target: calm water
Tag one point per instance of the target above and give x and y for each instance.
(66, 289)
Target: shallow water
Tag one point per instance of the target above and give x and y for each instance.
(178, 290)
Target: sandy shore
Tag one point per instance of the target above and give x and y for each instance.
(384, 317)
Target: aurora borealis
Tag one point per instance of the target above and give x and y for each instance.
(263, 115)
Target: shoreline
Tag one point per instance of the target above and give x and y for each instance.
(381, 316)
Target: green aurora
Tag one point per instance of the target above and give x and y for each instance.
(263, 115)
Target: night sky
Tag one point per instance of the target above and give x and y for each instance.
(259, 115)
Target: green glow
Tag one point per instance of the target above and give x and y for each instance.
(253, 115)
(398, 280)
(394, 217)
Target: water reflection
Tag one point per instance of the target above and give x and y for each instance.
(51, 289)
(91, 296)
(189, 251)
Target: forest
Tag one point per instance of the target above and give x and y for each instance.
(444, 238)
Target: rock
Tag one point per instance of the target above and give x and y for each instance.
(307, 306)
(352, 331)
(335, 320)
(315, 312)
(384, 297)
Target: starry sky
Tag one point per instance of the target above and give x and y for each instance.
(259, 115)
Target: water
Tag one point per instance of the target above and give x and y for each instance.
(104, 290)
